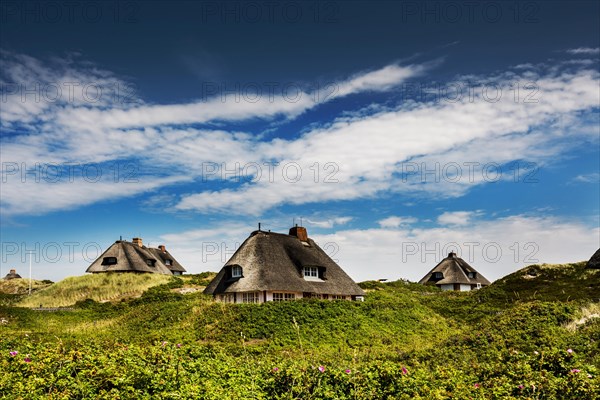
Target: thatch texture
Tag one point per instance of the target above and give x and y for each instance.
(454, 270)
(12, 274)
(131, 257)
(275, 261)
(594, 262)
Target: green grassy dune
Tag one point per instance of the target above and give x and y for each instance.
(521, 338)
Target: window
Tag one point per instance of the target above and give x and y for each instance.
(150, 262)
(337, 297)
(438, 275)
(251, 297)
(471, 275)
(283, 296)
(236, 271)
(311, 272)
(479, 286)
(227, 298)
(109, 260)
(168, 262)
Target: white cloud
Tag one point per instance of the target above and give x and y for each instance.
(585, 50)
(461, 218)
(238, 106)
(410, 253)
(593, 177)
(369, 151)
(359, 155)
(329, 223)
(396, 222)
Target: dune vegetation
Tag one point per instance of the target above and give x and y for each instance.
(98, 287)
(511, 340)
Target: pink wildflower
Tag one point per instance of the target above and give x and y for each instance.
(275, 369)
(570, 351)
(13, 353)
(575, 370)
(321, 368)
(347, 371)
(476, 386)
(404, 371)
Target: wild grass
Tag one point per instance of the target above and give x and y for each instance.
(98, 287)
(21, 286)
(586, 314)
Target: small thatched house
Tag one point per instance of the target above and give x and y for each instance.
(277, 267)
(594, 262)
(12, 275)
(453, 273)
(133, 256)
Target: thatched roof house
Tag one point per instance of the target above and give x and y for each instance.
(275, 267)
(594, 262)
(12, 275)
(133, 256)
(453, 273)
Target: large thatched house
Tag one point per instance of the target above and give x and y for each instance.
(277, 267)
(133, 256)
(12, 275)
(453, 273)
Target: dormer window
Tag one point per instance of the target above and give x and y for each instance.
(438, 275)
(150, 262)
(236, 271)
(471, 275)
(109, 260)
(168, 262)
(310, 272)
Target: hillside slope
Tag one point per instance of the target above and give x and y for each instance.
(551, 282)
(406, 341)
(98, 287)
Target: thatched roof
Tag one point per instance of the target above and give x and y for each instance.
(594, 262)
(274, 261)
(12, 275)
(454, 270)
(125, 256)
(164, 255)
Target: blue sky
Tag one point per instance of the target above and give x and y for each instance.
(394, 131)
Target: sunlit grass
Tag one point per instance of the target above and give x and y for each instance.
(98, 287)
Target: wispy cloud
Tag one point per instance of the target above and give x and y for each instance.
(460, 218)
(584, 51)
(358, 154)
(593, 177)
(330, 222)
(396, 222)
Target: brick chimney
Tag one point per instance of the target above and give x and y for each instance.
(162, 248)
(299, 232)
(137, 241)
(452, 255)
(13, 271)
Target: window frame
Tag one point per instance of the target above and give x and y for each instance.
(250, 297)
(105, 261)
(281, 296)
(438, 275)
(237, 271)
(310, 272)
